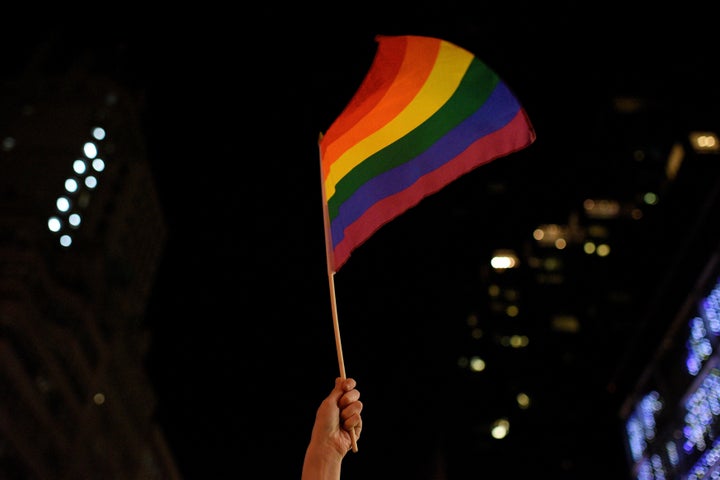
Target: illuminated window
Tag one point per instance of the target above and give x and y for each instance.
(67, 215)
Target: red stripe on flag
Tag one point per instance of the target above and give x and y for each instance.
(513, 137)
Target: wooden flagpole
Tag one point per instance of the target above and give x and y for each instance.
(331, 281)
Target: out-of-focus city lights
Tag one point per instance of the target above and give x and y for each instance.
(705, 142)
(504, 259)
(477, 364)
(500, 428)
(77, 188)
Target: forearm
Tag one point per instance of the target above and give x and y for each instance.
(321, 464)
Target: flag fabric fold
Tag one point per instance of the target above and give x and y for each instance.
(426, 113)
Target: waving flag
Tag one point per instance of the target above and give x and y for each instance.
(426, 113)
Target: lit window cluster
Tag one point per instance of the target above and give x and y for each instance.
(705, 142)
(704, 328)
(601, 208)
(552, 235)
(710, 310)
(644, 471)
(697, 430)
(82, 180)
(699, 346)
(706, 464)
(658, 470)
(640, 426)
(601, 250)
(504, 259)
(702, 407)
(671, 449)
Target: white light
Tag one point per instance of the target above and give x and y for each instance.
(502, 262)
(63, 204)
(503, 259)
(54, 224)
(500, 428)
(90, 150)
(98, 164)
(90, 181)
(98, 133)
(66, 240)
(477, 364)
(705, 142)
(74, 219)
(79, 166)
(71, 185)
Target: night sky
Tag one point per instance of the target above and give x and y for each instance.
(243, 348)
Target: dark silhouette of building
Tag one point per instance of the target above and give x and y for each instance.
(81, 235)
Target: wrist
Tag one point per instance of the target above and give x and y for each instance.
(322, 462)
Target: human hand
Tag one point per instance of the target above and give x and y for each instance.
(338, 417)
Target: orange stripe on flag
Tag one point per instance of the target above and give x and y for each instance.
(366, 113)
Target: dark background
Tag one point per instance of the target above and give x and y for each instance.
(243, 348)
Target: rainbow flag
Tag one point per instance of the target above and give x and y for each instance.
(426, 113)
